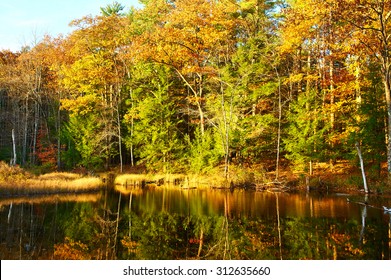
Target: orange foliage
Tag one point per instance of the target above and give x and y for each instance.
(71, 250)
(46, 151)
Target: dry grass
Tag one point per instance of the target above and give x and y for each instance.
(127, 182)
(148, 179)
(12, 172)
(51, 186)
(127, 179)
(60, 176)
(14, 181)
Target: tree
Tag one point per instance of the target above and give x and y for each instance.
(316, 37)
(29, 81)
(306, 131)
(192, 37)
(370, 23)
(155, 122)
(94, 77)
(114, 9)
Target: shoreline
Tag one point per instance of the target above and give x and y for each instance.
(15, 181)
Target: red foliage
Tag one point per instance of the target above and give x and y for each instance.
(46, 152)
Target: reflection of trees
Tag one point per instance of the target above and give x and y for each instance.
(116, 230)
(333, 239)
(92, 232)
(163, 235)
(25, 233)
(127, 233)
(174, 236)
(119, 227)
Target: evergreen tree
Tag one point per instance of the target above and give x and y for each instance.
(156, 135)
(306, 132)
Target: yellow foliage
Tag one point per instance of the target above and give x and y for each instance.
(71, 250)
(131, 245)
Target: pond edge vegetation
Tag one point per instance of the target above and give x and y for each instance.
(15, 181)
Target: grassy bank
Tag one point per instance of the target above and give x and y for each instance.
(215, 179)
(341, 177)
(15, 181)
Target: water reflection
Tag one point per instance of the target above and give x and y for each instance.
(168, 223)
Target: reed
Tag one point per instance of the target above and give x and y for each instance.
(137, 180)
(126, 179)
(52, 186)
(14, 181)
(60, 176)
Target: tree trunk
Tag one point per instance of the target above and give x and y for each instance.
(198, 96)
(25, 132)
(35, 135)
(131, 128)
(225, 132)
(364, 178)
(13, 160)
(59, 138)
(279, 126)
(387, 91)
(119, 131)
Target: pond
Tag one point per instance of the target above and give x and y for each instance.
(171, 223)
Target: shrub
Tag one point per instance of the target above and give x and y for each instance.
(12, 172)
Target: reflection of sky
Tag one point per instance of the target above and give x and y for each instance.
(23, 22)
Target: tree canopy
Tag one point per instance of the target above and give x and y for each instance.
(188, 86)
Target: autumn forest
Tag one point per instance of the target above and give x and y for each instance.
(201, 86)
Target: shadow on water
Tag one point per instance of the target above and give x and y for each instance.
(169, 223)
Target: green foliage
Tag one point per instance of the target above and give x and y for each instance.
(155, 133)
(203, 153)
(305, 140)
(372, 113)
(112, 9)
(86, 134)
(5, 153)
(79, 225)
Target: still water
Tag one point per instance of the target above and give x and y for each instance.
(166, 223)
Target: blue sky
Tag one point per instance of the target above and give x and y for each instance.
(23, 22)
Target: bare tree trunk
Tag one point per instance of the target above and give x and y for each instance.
(35, 135)
(131, 129)
(119, 132)
(13, 160)
(362, 167)
(279, 126)
(225, 132)
(25, 132)
(198, 95)
(388, 138)
(59, 137)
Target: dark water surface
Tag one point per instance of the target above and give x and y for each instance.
(166, 223)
